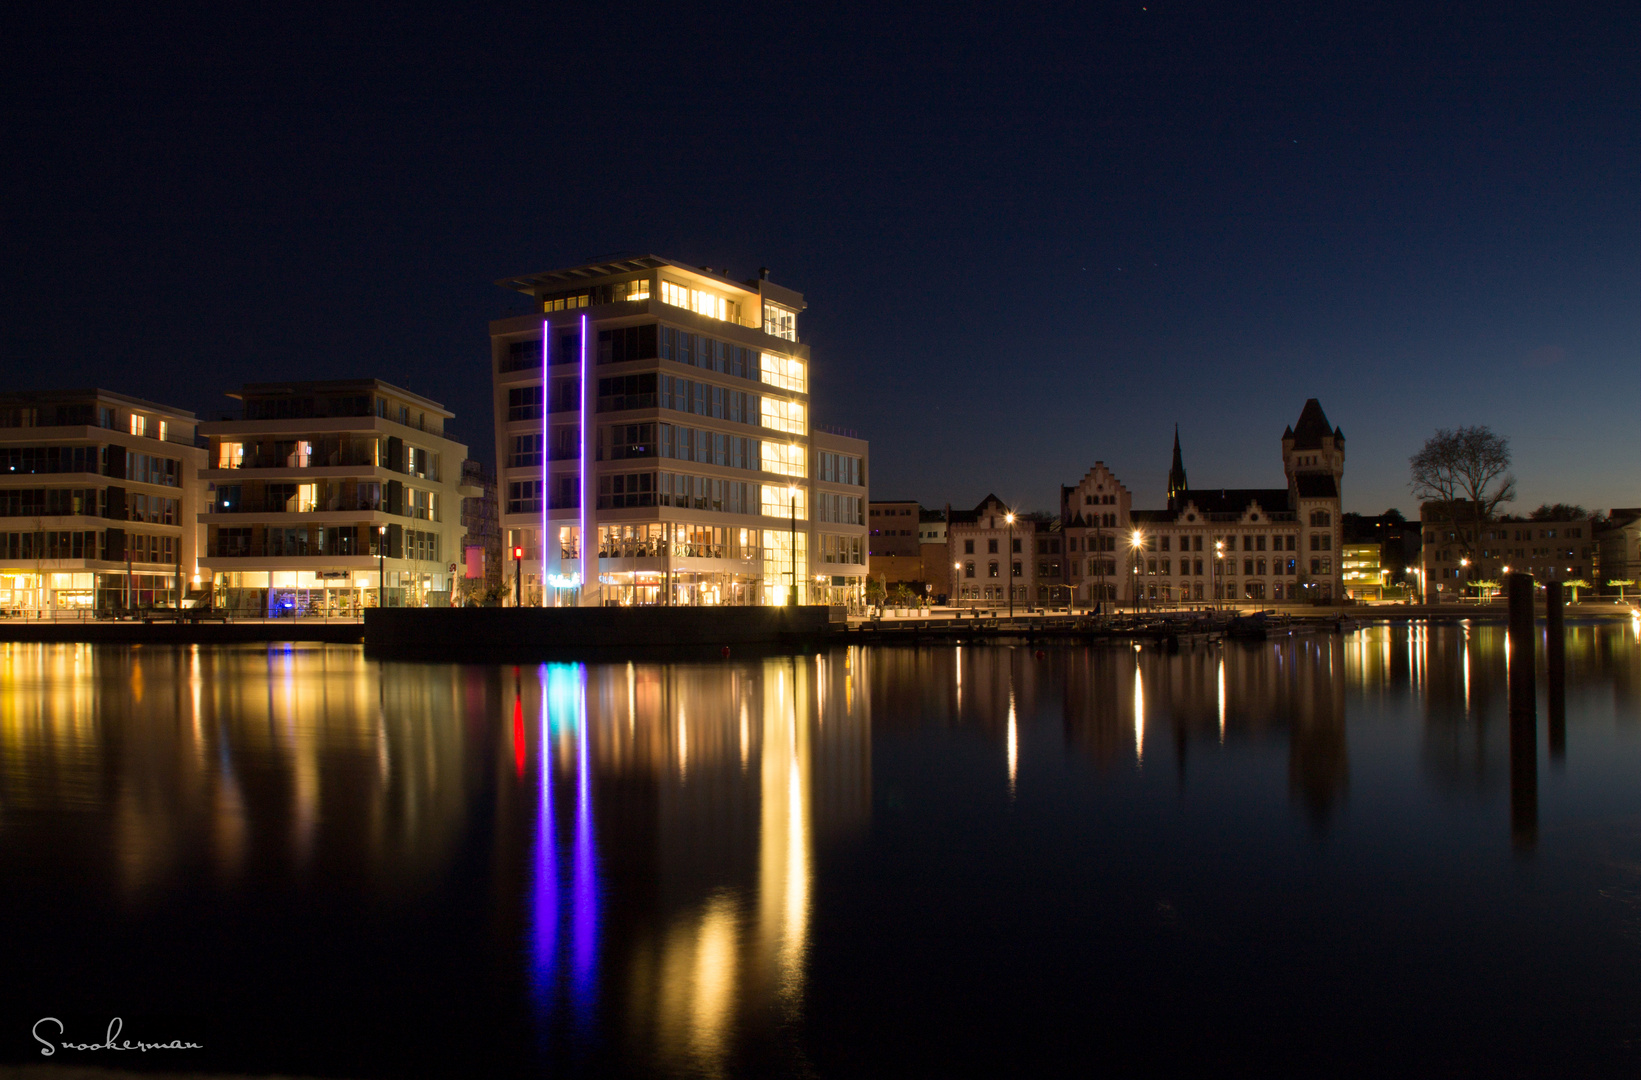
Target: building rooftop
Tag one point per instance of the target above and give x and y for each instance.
(339, 386)
(65, 397)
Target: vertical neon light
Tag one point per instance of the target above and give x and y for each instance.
(547, 480)
(587, 546)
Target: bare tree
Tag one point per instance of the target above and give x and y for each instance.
(1463, 476)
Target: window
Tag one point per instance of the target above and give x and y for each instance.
(968, 547)
(1259, 543)
(635, 290)
(782, 415)
(139, 424)
(991, 546)
(968, 569)
(786, 372)
(1166, 541)
(991, 569)
(780, 322)
(699, 301)
(526, 451)
(628, 489)
(784, 459)
(1015, 545)
(524, 403)
(1321, 517)
(524, 497)
(165, 429)
(1248, 567)
(629, 441)
(230, 455)
(1015, 568)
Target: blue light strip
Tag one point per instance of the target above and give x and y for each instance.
(546, 337)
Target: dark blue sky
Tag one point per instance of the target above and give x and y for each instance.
(1030, 237)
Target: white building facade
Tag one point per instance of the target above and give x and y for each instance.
(329, 497)
(663, 410)
(98, 496)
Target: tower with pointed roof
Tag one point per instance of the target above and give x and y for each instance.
(1176, 476)
(1314, 450)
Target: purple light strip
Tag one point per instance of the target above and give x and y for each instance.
(546, 337)
(586, 542)
(544, 940)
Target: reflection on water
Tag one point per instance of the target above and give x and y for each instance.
(644, 840)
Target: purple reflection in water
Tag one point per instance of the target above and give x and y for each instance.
(564, 696)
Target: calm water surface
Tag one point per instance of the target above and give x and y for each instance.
(1315, 857)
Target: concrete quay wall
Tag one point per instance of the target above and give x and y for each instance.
(522, 634)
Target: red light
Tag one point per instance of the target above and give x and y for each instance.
(518, 553)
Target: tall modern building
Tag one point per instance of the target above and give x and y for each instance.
(98, 495)
(329, 497)
(663, 412)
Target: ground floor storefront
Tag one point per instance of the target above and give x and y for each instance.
(54, 593)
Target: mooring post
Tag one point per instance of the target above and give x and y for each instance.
(1523, 690)
(1523, 716)
(1555, 663)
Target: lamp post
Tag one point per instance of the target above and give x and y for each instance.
(792, 541)
(957, 588)
(518, 576)
(1009, 562)
(381, 566)
(1218, 570)
(1135, 542)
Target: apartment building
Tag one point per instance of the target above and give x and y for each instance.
(329, 497)
(481, 530)
(663, 410)
(1242, 544)
(1618, 551)
(993, 549)
(1451, 558)
(98, 493)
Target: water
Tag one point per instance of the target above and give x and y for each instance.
(1307, 857)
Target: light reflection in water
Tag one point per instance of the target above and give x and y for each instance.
(1139, 713)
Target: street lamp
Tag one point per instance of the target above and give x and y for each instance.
(1009, 519)
(1218, 570)
(518, 576)
(381, 566)
(1135, 542)
(792, 539)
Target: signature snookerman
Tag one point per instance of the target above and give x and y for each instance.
(114, 1026)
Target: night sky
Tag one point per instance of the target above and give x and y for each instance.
(1030, 238)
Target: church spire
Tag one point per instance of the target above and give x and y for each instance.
(1176, 476)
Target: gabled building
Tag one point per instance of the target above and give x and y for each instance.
(1240, 544)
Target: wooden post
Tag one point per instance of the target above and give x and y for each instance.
(1523, 689)
(1523, 716)
(1555, 662)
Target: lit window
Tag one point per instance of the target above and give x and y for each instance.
(638, 290)
(778, 502)
(782, 415)
(780, 322)
(785, 372)
(139, 424)
(165, 429)
(307, 498)
(785, 459)
(230, 455)
(699, 301)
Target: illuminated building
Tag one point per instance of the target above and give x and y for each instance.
(1244, 544)
(1362, 577)
(321, 488)
(700, 474)
(97, 495)
(1561, 549)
